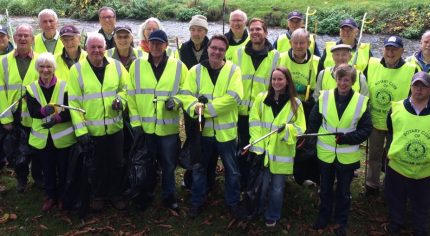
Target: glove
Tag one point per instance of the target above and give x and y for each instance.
(202, 99)
(117, 104)
(342, 139)
(54, 120)
(137, 132)
(85, 141)
(170, 104)
(47, 110)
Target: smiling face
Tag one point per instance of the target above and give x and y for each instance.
(107, 20)
(425, 44)
(237, 24)
(150, 27)
(123, 39)
(419, 91)
(348, 34)
(279, 82)
(46, 71)
(300, 46)
(96, 50)
(216, 51)
(341, 56)
(157, 48)
(257, 32)
(392, 55)
(48, 24)
(4, 42)
(71, 43)
(23, 38)
(344, 84)
(294, 24)
(198, 34)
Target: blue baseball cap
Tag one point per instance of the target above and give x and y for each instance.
(394, 41)
(349, 22)
(158, 35)
(295, 15)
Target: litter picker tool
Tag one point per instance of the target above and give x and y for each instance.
(307, 16)
(363, 22)
(278, 130)
(9, 108)
(70, 108)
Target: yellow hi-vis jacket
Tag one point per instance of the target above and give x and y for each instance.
(283, 43)
(327, 148)
(221, 112)
(279, 148)
(12, 87)
(86, 92)
(233, 49)
(409, 152)
(386, 85)
(62, 71)
(39, 45)
(62, 133)
(329, 82)
(254, 81)
(362, 58)
(147, 96)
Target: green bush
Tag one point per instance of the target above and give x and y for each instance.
(187, 13)
(214, 13)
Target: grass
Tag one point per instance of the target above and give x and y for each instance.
(300, 208)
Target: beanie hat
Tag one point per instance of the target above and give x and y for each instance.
(199, 20)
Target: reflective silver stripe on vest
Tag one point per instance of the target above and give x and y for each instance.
(118, 69)
(148, 119)
(5, 64)
(247, 103)
(60, 99)
(38, 135)
(162, 93)
(239, 56)
(275, 60)
(99, 95)
(137, 77)
(62, 133)
(110, 52)
(348, 149)
(141, 91)
(290, 116)
(211, 110)
(79, 125)
(134, 118)
(256, 149)
(80, 80)
(234, 95)
(281, 158)
(139, 53)
(2, 88)
(198, 76)
(25, 114)
(13, 87)
(107, 121)
(185, 92)
(177, 77)
(255, 124)
(167, 121)
(356, 116)
(35, 92)
(225, 126)
(191, 105)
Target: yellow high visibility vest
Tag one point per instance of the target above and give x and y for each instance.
(62, 71)
(12, 87)
(221, 112)
(327, 148)
(233, 49)
(362, 58)
(147, 96)
(386, 85)
(283, 43)
(86, 92)
(409, 152)
(279, 148)
(39, 45)
(329, 82)
(254, 80)
(62, 134)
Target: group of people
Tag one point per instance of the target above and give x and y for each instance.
(233, 89)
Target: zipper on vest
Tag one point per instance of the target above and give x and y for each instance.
(104, 109)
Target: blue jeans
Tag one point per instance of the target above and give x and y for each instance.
(274, 185)
(167, 150)
(344, 175)
(227, 151)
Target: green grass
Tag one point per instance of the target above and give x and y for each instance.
(300, 208)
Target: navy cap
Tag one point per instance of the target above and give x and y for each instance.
(69, 30)
(158, 35)
(295, 15)
(348, 22)
(3, 30)
(394, 41)
(123, 28)
(423, 77)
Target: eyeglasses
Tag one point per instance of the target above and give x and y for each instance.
(420, 85)
(215, 48)
(107, 17)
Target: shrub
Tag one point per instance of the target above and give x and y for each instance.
(186, 14)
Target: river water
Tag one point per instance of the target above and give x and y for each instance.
(180, 29)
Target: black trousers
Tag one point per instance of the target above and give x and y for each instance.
(22, 171)
(243, 140)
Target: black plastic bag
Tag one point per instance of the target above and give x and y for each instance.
(306, 161)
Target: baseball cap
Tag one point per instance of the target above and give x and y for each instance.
(123, 28)
(158, 35)
(423, 77)
(348, 22)
(295, 15)
(394, 41)
(340, 46)
(69, 30)
(3, 30)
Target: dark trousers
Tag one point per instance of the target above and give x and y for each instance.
(243, 140)
(398, 189)
(344, 175)
(22, 171)
(109, 163)
(54, 166)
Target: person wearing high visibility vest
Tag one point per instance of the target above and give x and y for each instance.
(348, 32)
(219, 82)
(422, 57)
(341, 54)
(302, 65)
(341, 110)
(408, 171)
(51, 130)
(97, 84)
(107, 21)
(123, 51)
(154, 110)
(237, 35)
(145, 29)
(295, 21)
(48, 40)
(277, 107)
(257, 59)
(5, 45)
(17, 70)
(388, 81)
(72, 52)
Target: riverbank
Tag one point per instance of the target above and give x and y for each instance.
(407, 18)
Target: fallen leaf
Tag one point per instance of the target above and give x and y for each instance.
(208, 220)
(66, 219)
(44, 227)
(165, 226)
(231, 224)
(173, 213)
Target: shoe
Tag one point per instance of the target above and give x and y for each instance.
(270, 223)
(194, 211)
(171, 203)
(48, 204)
(370, 191)
(237, 212)
(97, 204)
(21, 186)
(119, 204)
(319, 224)
(340, 231)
